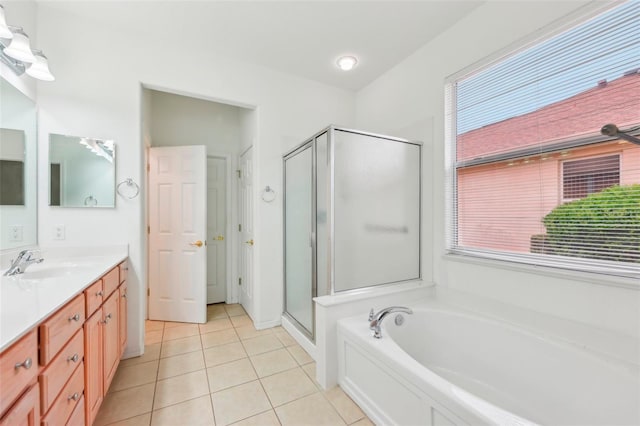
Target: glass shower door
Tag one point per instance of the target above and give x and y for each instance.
(298, 303)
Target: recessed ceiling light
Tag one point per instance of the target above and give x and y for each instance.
(347, 63)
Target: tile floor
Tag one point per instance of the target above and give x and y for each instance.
(220, 373)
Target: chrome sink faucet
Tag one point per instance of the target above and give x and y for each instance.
(22, 262)
(375, 319)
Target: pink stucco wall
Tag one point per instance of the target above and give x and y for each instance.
(500, 206)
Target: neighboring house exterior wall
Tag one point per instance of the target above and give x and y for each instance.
(501, 204)
(506, 219)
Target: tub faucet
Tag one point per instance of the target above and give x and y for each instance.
(22, 262)
(376, 318)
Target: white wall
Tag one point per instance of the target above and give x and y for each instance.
(99, 71)
(180, 120)
(410, 96)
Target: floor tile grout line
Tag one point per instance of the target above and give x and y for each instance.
(155, 387)
(213, 410)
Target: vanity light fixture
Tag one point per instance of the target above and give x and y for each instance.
(5, 32)
(347, 63)
(19, 48)
(16, 52)
(40, 68)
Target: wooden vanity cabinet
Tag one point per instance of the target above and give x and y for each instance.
(60, 371)
(93, 377)
(18, 369)
(104, 341)
(26, 411)
(123, 317)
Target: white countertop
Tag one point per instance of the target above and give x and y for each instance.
(27, 299)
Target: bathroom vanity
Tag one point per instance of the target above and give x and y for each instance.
(62, 334)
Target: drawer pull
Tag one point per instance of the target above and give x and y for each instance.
(73, 358)
(75, 397)
(76, 318)
(100, 293)
(106, 319)
(26, 364)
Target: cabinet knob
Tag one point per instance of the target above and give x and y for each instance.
(124, 296)
(100, 293)
(106, 319)
(73, 358)
(75, 397)
(26, 364)
(76, 318)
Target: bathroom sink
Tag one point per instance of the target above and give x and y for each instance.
(56, 270)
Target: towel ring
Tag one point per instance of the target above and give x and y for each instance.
(91, 201)
(268, 194)
(129, 182)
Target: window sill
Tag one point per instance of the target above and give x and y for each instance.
(557, 272)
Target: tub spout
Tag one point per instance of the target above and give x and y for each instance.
(376, 319)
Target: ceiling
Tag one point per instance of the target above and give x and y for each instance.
(303, 38)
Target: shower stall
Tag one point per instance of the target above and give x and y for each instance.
(351, 217)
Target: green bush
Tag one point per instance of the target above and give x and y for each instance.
(604, 225)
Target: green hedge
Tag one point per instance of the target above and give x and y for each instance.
(604, 225)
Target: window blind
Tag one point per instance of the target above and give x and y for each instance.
(531, 178)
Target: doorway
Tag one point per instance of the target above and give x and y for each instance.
(224, 131)
(217, 233)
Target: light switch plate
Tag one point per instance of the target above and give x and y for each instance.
(15, 233)
(58, 232)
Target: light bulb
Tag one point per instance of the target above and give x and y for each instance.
(347, 63)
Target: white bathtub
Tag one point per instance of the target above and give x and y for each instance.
(444, 366)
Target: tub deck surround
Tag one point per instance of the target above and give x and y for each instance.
(27, 299)
(329, 309)
(470, 369)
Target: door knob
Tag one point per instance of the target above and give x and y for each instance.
(250, 242)
(197, 244)
(219, 238)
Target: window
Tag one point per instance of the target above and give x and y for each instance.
(583, 177)
(531, 178)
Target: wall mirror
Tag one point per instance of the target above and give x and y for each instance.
(81, 171)
(18, 152)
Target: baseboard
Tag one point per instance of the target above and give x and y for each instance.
(302, 340)
(267, 324)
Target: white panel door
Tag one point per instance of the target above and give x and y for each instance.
(216, 229)
(246, 231)
(177, 234)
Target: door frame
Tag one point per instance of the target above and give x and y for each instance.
(231, 187)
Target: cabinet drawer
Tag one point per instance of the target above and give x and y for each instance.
(111, 281)
(58, 329)
(124, 269)
(67, 400)
(53, 378)
(93, 297)
(77, 417)
(18, 368)
(25, 412)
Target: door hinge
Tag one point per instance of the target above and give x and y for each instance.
(239, 281)
(148, 167)
(148, 292)
(239, 228)
(239, 172)
(148, 229)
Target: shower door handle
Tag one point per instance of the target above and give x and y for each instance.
(312, 239)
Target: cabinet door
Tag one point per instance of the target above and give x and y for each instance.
(18, 368)
(122, 320)
(93, 353)
(26, 411)
(111, 340)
